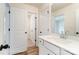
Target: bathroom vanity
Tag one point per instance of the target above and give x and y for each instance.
(54, 45)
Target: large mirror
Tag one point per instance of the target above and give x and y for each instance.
(65, 18)
(59, 24)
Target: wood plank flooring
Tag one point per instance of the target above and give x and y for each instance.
(30, 43)
(30, 51)
(33, 51)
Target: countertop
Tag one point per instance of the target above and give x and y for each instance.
(67, 44)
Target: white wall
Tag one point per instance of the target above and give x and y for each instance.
(29, 8)
(69, 13)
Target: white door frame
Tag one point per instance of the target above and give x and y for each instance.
(6, 26)
(36, 27)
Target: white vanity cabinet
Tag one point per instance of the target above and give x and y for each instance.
(43, 50)
(51, 47)
(65, 52)
(47, 48)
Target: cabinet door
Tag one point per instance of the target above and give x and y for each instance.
(64, 52)
(44, 51)
(49, 53)
(52, 47)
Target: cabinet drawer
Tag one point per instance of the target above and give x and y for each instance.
(44, 51)
(49, 53)
(41, 41)
(64, 52)
(52, 47)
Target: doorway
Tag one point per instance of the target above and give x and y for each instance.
(31, 30)
(32, 34)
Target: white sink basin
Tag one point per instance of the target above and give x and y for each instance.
(60, 40)
(52, 37)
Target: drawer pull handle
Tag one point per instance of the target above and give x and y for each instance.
(40, 41)
(48, 54)
(40, 32)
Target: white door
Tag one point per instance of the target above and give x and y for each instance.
(44, 23)
(1, 25)
(18, 35)
(4, 25)
(32, 28)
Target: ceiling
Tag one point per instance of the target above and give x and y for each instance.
(38, 5)
(55, 6)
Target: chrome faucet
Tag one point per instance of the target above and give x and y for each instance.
(63, 35)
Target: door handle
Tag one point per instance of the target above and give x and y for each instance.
(4, 47)
(40, 32)
(25, 32)
(1, 47)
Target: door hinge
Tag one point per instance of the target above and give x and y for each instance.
(35, 40)
(9, 12)
(35, 28)
(9, 29)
